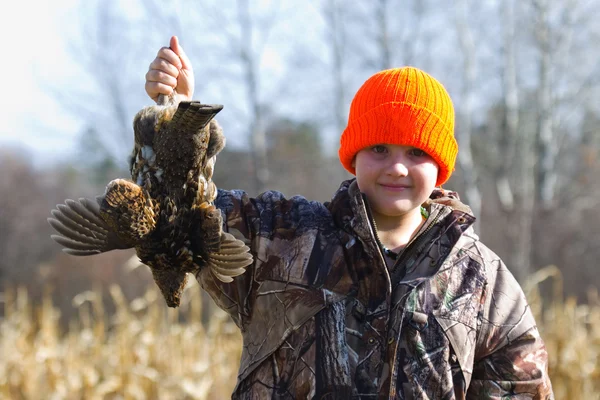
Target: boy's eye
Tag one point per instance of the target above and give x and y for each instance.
(378, 149)
(417, 152)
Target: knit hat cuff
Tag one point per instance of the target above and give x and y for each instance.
(403, 124)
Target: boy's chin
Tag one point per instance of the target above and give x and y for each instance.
(397, 212)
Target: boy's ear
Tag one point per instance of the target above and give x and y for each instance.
(354, 162)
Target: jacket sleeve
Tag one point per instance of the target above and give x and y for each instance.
(511, 358)
(257, 221)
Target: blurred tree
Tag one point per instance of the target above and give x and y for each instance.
(295, 153)
(95, 161)
(523, 76)
(515, 181)
(589, 144)
(231, 170)
(565, 79)
(547, 146)
(465, 109)
(333, 13)
(25, 203)
(112, 57)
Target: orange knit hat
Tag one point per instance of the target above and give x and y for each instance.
(403, 106)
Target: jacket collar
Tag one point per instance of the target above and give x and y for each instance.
(348, 207)
(448, 220)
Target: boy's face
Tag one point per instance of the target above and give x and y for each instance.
(396, 179)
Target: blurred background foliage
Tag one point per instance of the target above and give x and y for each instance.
(523, 75)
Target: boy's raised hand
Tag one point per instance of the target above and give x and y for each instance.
(170, 70)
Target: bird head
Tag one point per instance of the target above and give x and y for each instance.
(171, 283)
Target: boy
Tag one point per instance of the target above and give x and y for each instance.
(386, 291)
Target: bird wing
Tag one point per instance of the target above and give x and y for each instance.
(231, 259)
(227, 256)
(81, 230)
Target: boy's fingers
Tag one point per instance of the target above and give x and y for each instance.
(185, 61)
(155, 88)
(170, 57)
(161, 65)
(155, 75)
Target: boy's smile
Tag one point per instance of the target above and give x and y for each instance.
(396, 179)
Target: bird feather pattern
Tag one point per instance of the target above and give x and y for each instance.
(166, 210)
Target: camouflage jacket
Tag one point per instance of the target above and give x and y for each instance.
(323, 317)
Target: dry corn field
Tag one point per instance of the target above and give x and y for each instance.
(143, 351)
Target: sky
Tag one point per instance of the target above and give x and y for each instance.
(34, 52)
(36, 56)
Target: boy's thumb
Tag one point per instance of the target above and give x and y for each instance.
(185, 61)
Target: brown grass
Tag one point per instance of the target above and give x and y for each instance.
(144, 351)
(571, 332)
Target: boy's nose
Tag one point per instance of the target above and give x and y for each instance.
(398, 168)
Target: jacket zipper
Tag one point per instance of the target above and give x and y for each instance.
(373, 227)
(411, 246)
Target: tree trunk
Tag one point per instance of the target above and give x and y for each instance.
(547, 146)
(383, 38)
(463, 135)
(336, 36)
(510, 122)
(257, 131)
